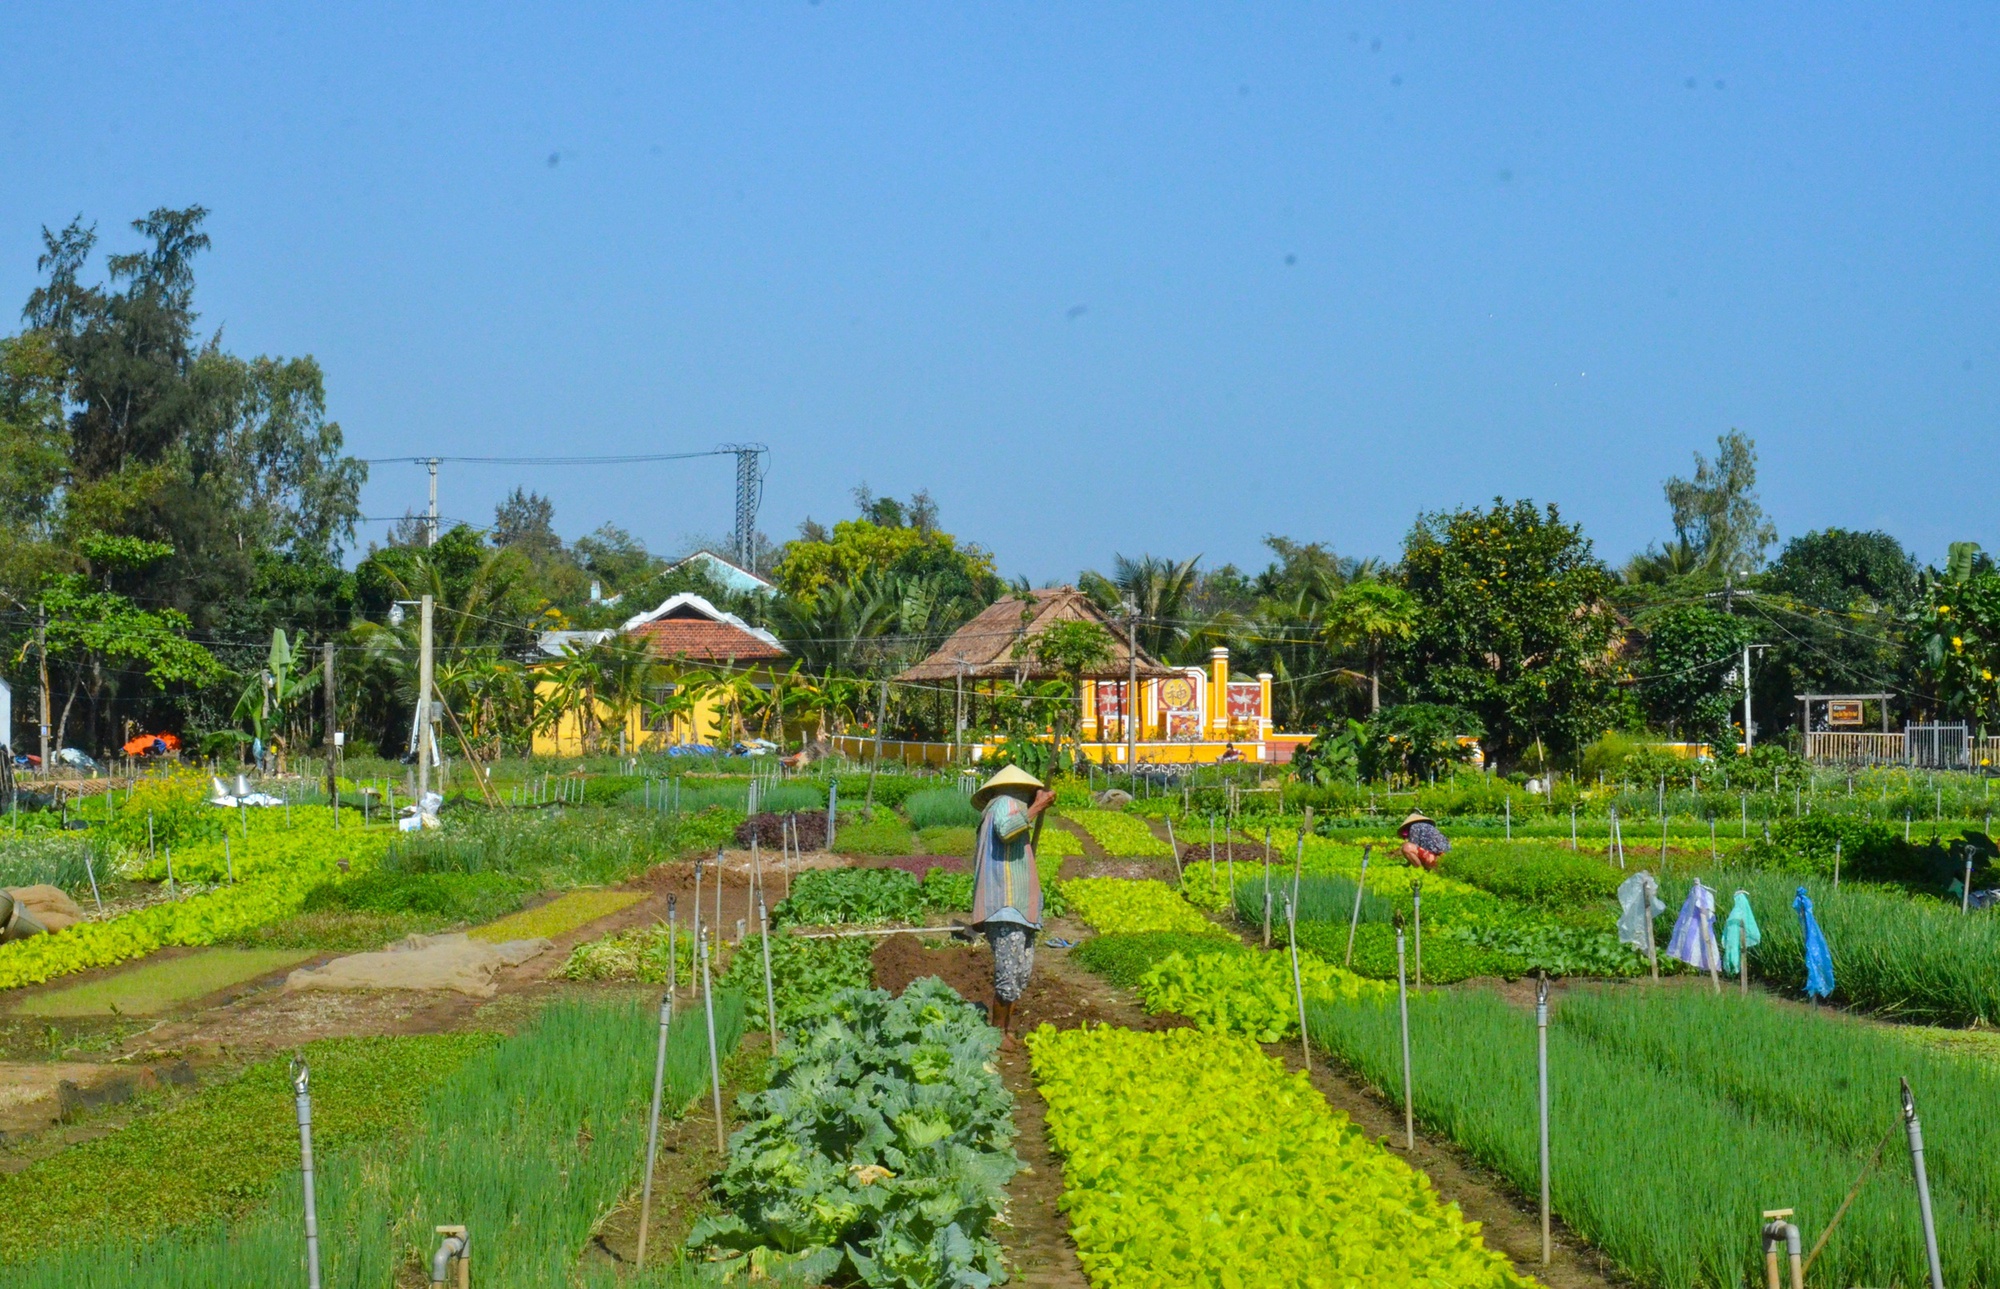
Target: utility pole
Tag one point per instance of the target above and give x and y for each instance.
(958, 716)
(431, 523)
(1131, 687)
(1749, 730)
(332, 738)
(749, 495)
(42, 665)
(424, 677)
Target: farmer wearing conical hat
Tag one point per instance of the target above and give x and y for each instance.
(1422, 842)
(1006, 887)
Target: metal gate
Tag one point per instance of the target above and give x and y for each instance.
(1938, 747)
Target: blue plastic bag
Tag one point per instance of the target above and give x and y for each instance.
(1819, 959)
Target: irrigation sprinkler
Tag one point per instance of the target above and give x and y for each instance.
(1417, 924)
(695, 926)
(302, 1100)
(1507, 808)
(1175, 847)
(1836, 863)
(1354, 923)
(1542, 1085)
(714, 1058)
(1211, 846)
(1916, 1131)
(173, 891)
(454, 1252)
(1403, 1008)
(653, 1123)
(1777, 1230)
(715, 927)
(1298, 983)
(770, 990)
(152, 853)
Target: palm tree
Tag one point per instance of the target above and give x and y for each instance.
(1159, 588)
(1370, 614)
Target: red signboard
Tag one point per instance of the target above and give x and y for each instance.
(1246, 701)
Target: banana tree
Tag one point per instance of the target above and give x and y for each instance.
(271, 698)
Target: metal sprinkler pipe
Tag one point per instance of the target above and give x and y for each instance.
(1403, 1007)
(1777, 1229)
(652, 1129)
(1542, 1087)
(1916, 1131)
(714, 1057)
(454, 1250)
(1360, 885)
(302, 1100)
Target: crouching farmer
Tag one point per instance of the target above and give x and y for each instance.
(1006, 886)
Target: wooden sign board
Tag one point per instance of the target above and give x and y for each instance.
(1844, 711)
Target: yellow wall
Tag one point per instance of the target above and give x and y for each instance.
(708, 723)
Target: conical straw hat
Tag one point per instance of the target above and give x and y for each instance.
(1416, 817)
(1012, 776)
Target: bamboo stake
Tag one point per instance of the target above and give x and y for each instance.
(1542, 1088)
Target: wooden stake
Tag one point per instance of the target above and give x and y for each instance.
(1360, 887)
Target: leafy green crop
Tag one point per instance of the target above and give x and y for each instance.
(1247, 993)
(1533, 872)
(804, 973)
(1243, 1177)
(829, 896)
(1124, 959)
(1120, 834)
(1116, 905)
(880, 1150)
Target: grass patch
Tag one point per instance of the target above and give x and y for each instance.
(160, 986)
(57, 859)
(576, 846)
(216, 1155)
(529, 1143)
(941, 808)
(336, 931)
(448, 897)
(558, 916)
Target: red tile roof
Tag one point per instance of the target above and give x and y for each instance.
(704, 640)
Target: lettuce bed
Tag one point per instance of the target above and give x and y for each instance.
(1244, 1177)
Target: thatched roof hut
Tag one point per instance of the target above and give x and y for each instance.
(986, 647)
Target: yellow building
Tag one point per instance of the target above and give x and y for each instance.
(1185, 713)
(684, 634)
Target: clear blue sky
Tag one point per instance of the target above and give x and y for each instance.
(1147, 277)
